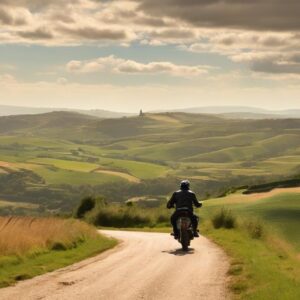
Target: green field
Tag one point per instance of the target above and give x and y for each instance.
(141, 170)
(58, 176)
(66, 164)
(280, 213)
(265, 267)
(49, 158)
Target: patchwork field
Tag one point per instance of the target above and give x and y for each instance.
(53, 157)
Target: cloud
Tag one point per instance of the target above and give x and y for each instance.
(235, 41)
(62, 80)
(271, 62)
(60, 23)
(5, 17)
(7, 79)
(237, 29)
(274, 15)
(37, 34)
(173, 34)
(265, 52)
(14, 17)
(120, 65)
(91, 33)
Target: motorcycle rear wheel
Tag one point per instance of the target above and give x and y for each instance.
(185, 240)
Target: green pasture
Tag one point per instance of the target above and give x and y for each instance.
(138, 169)
(187, 147)
(34, 141)
(280, 213)
(281, 144)
(60, 176)
(66, 164)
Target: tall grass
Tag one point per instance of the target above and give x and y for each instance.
(23, 235)
(255, 228)
(129, 216)
(224, 218)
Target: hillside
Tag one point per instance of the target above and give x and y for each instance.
(55, 158)
(7, 110)
(242, 112)
(264, 243)
(279, 210)
(59, 120)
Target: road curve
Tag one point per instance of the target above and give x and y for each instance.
(143, 266)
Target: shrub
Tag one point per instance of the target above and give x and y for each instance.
(117, 215)
(120, 217)
(224, 218)
(85, 205)
(163, 219)
(255, 229)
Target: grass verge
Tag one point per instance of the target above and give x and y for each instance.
(261, 268)
(28, 250)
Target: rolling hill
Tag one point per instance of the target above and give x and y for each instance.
(242, 112)
(52, 159)
(7, 110)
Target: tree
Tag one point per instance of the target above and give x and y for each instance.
(85, 205)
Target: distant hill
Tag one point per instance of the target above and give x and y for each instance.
(242, 112)
(255, 116)
(39, 123)
(7, 110)
(171, 127)
(228, 112)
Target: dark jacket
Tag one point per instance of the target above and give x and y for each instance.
(183, 198)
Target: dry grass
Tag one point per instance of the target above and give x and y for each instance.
(23, 235)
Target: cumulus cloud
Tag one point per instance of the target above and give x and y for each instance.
(36, 34)
(14, 17)
(120, 65)
(225, 42)
(262, 52)
(234, 28)
(274, 15)
(271, 62)
(59, 23)
(88, 20)
(91, 33)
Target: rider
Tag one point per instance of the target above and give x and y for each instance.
(184, 199)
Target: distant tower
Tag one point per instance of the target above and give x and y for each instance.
(141, 113)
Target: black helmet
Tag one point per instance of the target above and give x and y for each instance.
(184, 185)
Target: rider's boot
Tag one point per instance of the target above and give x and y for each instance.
(175, 234)
(195, 232)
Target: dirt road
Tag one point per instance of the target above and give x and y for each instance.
(143, 266)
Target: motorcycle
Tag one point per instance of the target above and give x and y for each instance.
(184, 226)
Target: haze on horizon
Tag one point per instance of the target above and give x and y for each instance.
(124, 55)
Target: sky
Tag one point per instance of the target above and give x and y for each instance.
(125, 55)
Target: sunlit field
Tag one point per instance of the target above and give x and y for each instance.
(20, 235)
(33, 246)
